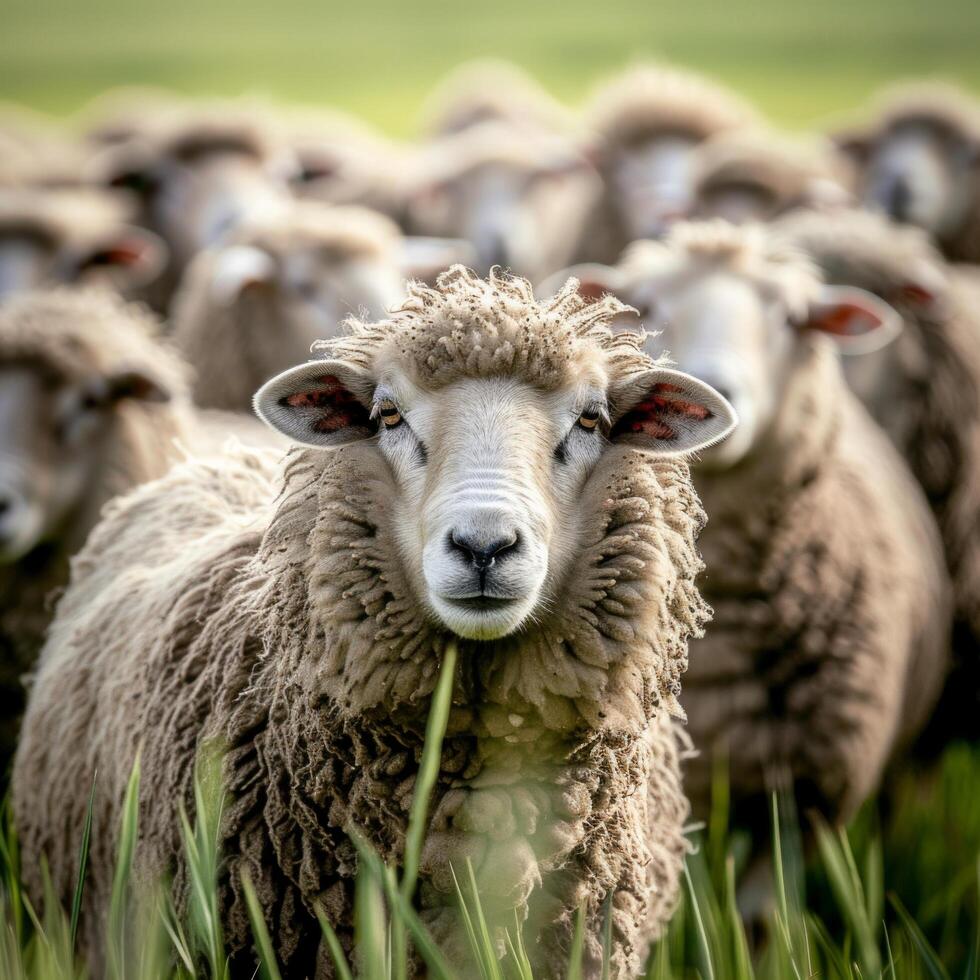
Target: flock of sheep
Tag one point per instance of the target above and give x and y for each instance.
(514, 465)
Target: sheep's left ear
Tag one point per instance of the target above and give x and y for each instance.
(320, 403)
(857, 321)
(669, 413)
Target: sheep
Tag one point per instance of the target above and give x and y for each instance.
(254, 307)
(924, 390)
(519, 197)
(124, 114)
(917, 162)
(92, 403)
(502, 472)
(73, 236)
(488, 90)
(194, 178)
(33, 153)
(830, 637)
(646, 125)
(754, 175)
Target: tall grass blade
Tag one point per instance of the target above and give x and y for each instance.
(267, 958)
(578, 946)
(76, 901)
(121, 898)
(927, 954)
(334, 945)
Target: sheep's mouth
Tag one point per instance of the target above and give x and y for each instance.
(482, 603)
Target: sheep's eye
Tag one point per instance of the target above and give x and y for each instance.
(389, 413)
(589, 419)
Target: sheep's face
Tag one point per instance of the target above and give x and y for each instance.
(651, 183)
(738, 334)
(311, 290)
(195, 196)
(922, 173)
(487, 474)
(52, 433)
(737, 201)
(122, 257)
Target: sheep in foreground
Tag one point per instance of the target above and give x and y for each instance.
(197, 176)
(924, 390)
(255, 306)
(50, 238)
(647, 125)
(754, 175)
(519, 197)
(506, 472)
(917, 162)
(829, 641)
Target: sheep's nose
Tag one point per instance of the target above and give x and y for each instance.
(480, 551)
(898, 198)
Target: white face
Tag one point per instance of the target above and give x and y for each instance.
(488, 473)
(920, 175)
(653, 184)
(720, 329)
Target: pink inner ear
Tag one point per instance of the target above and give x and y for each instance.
(338, 407)
(651, 416)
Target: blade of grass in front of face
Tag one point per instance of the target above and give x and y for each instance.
(334, 945)
(370, 923)
(10, 855)
(371, 864)
(927, 955)
(260, 933)
(718, 819)
(607, 935)
(121, 897)
(741, 961)
(784, 923)
(708, 966)
(523, 961)
(76, 902)
(483, 930)
(578, 946)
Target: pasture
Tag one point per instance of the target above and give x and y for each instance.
(898, 896)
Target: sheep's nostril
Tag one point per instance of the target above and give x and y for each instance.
(480, 552)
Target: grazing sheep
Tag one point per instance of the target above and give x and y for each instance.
(128, 113)
(754, 175)
(33, 153)
(50, 238)
(488, 90)
(647, 124)
(196, 177)
(829, 641)
(924, 390)
(917, 161)
(519, 197)
(502, 471)
(254, 307)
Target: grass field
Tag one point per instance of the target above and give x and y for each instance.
(800, 61)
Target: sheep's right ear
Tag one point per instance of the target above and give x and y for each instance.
(669, 413)
(320, 403)
(594, 281)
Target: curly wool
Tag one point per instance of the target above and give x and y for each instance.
(237, 346)
(831, 608)
(290, 634)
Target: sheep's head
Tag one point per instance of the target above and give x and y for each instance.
(69, 362)
(492, 413)
(919, 162)
(736, 307)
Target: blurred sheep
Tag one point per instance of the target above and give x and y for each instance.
(924, 390)
(83, 236)
(197, 177)
(755, 175)
(918, 161)
(647, 124)
(519, 198)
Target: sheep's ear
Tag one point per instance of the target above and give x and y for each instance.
(594, 281)
(238, 267)
(857, 321)
(670, 413)
(854, 145)
(125, 386)
(132, 258)
(320, 403)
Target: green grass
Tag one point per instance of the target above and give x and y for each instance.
(800, 61)
(893, 898)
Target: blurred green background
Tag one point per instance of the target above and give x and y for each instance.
(802, 62)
